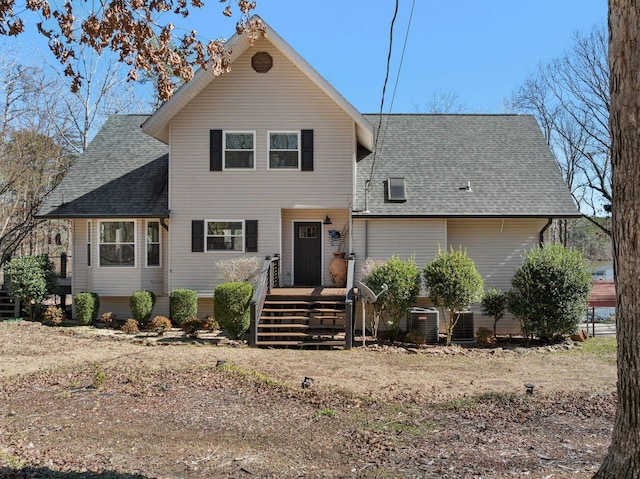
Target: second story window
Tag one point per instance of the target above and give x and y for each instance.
(284, 150)
(239, 150)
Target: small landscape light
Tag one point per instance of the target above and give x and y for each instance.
(529, 387)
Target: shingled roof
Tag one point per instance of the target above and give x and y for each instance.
(123, 172)
(503, 158)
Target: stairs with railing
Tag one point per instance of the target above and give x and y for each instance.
(302, 321)
(301, 317)
(8, 307)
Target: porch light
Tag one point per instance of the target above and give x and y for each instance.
(327, 220)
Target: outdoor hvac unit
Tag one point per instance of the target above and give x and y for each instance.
(463, 330)
(425, 322)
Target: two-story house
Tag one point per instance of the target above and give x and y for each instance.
(270, 158)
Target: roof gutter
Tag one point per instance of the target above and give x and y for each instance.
(544, 230)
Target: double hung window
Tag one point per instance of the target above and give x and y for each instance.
(239, 150)
(284, 150)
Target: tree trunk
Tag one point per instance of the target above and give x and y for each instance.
(623, 458)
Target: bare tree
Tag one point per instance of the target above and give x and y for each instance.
(77, 114)
(134, 31)
(623, 457)
(33, 156)
(32, 163)
(441, 101)
(570, 98)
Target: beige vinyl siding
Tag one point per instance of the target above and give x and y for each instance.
(116, 281)
(383, 238)
(119, 305)
(283, 99)
(496, 246)
(340, 222)
(406, 238)
(80, 277)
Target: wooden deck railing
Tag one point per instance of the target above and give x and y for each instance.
(349, 302)
(269, 278)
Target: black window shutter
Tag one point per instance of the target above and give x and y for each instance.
(215, 150)
(197, 236)
(307, 150)
(251, 236)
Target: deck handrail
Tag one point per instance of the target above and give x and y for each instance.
(349, 302)
(269, 278)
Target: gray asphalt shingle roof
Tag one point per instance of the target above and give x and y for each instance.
(123, 172)
(510, 168)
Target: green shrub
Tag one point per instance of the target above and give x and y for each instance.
(159, 324)
(494, 304)
(141, 305)
(96, 307)
(402, 278)
(231, 307)
(86, 308)
(31, 280)
(553, 286)
(517, 305)
(183, 305)
(454, 283)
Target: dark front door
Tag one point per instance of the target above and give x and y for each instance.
(307, 254)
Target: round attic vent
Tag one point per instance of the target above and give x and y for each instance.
(262, 62)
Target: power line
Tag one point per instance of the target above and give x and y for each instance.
(384, 87)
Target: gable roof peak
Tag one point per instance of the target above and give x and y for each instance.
(157, 125)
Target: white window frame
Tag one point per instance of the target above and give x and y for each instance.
(224, 150)
(89, 243)
(299, 149)
(135, 242)
(207, 236)
(404, 189)
(147, 243)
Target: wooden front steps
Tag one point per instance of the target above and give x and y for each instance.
(8, 307)
(302, 321)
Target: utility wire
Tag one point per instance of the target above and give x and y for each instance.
(395, 88)
(384, 89)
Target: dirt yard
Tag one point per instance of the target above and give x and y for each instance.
(75, 403)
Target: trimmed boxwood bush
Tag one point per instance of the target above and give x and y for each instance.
(231, 303)
(141, 304)
(183, 305)
(86, 307)
(454, 283)
(402, 278)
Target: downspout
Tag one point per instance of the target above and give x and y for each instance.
(366, 239)
(544, 230)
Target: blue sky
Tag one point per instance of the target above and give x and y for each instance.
(478, 50)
